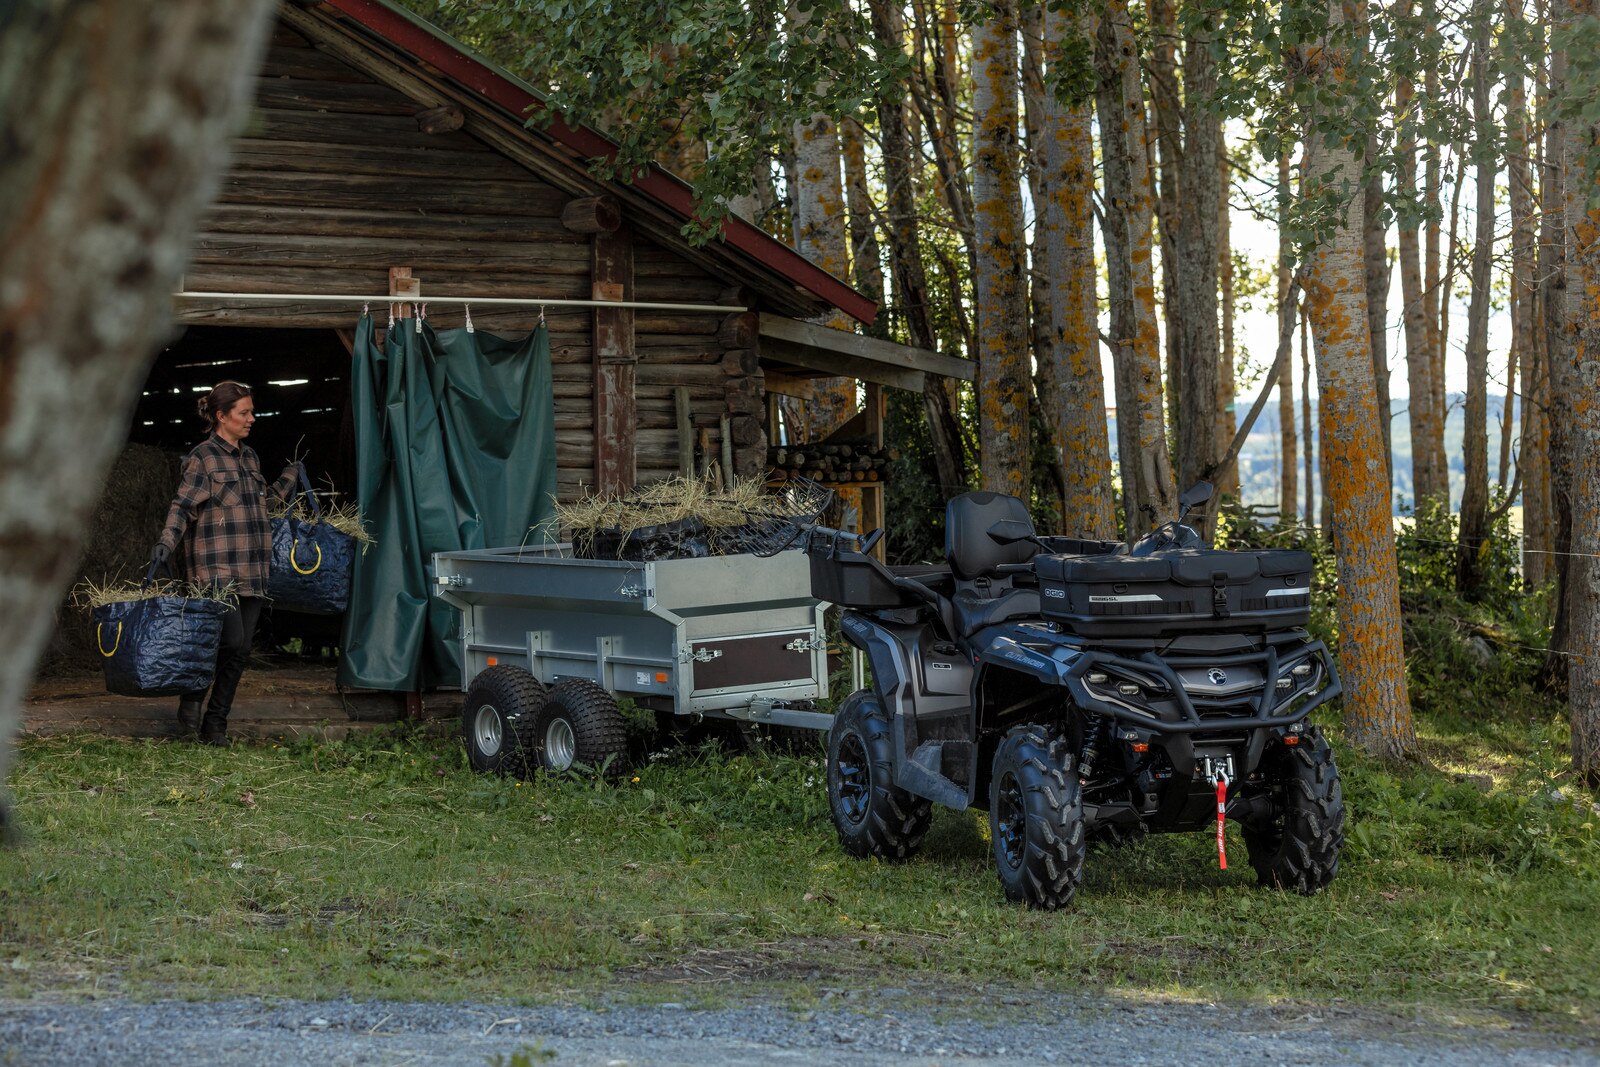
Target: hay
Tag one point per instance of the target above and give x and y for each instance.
(117, 541)
(88, 595)
(726, 517)
(345, 518)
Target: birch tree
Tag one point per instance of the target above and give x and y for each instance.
(1147, 482)
(1000, 292)
(117, 119)
(1075, 402)
(1371, 659)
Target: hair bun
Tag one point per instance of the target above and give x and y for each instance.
(204, 404)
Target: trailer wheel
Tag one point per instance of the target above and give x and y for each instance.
(1036, 818)
(874, 817)
(500, 703)
(1300, 849)
(579, 723)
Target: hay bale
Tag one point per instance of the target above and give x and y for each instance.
(123, 526)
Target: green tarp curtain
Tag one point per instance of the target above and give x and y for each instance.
(455, 449)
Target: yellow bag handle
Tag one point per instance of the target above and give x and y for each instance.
(295, 564)
(98, 643)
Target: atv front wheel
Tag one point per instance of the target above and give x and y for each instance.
(1036, 818)
(1300, 849)
(873, 816)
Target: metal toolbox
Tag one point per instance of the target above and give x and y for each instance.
(1184, 591)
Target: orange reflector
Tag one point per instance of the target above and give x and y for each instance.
(661, 676)
(1292, 739)
(1140, 746)
(493, 661)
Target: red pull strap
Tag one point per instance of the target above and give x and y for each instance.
(1222, 816)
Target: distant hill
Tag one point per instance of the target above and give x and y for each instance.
(1260, 456)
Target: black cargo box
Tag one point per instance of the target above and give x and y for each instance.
(1183, 591)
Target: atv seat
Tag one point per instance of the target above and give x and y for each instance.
(986, 570)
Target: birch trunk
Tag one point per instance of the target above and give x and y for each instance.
(1432, 476)
(1000, 282)
(1533, 460)
(1554, 276)
(1375, 262)
(1227, 416)
(117, 120)
(820, 236)
(1475, 437)
(1427, 480)
(1196, 274)
(1310, 435)
(905, 258)
(1289, 486)
(1075, 404)
(866, 267)
(1583, 376)
(1164, 130)
(1377, 711)
(1147, 483)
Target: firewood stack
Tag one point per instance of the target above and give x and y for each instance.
(831, 464)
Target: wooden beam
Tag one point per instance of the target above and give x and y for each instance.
(616, 413)
(401, 283)
(788, 385)
(834, 364)
(869, 349)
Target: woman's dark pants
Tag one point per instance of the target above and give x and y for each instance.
(233, 653)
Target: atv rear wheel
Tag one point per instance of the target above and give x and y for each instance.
(1300, 849)
(1036, 818)
(873, 816)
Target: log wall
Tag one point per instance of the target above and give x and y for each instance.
(333, 183)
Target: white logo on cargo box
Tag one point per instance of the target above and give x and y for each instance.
(1127, 599)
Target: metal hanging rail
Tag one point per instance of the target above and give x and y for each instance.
(482, 301)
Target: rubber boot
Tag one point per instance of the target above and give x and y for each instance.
(189, 716)
(214, 728)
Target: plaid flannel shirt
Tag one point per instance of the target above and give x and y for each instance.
(222, 506)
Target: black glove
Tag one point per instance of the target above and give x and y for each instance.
(159, 555)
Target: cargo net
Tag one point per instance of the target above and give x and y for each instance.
(685, 518)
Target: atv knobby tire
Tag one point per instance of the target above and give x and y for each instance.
(874, 817)
(1300, 850)
(1036, 818)
(501, 704)
(580, 723)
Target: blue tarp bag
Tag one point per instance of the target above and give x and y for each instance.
(160, 645)
(311, 562)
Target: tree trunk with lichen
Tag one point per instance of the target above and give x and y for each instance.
(1533, 459)
(1377, 710)
(117, 119)
(1583, 437)
(1147, 483)
(1426, 479)
(1075, 400)
(1195, 269)
(1227, 415)
(819, 235)
(1000, 287)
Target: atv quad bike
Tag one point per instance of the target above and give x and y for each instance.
(1080, 688)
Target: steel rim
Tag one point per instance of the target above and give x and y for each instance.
(486, 730)
(854, 779)
(1010, 821)
(560, 746)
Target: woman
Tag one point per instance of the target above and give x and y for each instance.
(222, 508)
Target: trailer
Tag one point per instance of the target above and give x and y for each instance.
(550, 642)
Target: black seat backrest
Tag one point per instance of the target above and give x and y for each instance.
(967, 545)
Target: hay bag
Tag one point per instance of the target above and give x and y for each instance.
(312, 559)
(158, 644)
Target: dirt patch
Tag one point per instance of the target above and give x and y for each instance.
(793, 959)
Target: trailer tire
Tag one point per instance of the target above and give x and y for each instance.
(1036, 818)
(1300, 849)
(873, 816)
(500, 704)
(580, 723)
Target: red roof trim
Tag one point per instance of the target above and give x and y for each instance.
(439, 50)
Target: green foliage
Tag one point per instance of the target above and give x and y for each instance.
(913, 504)
(732, 75)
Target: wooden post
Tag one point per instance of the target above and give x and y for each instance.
(401, 283)
(615, 358)
(680, 402)
(872, 517)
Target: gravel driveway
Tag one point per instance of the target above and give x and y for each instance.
(854, 1029)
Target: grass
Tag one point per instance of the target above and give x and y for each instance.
(382, 867)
